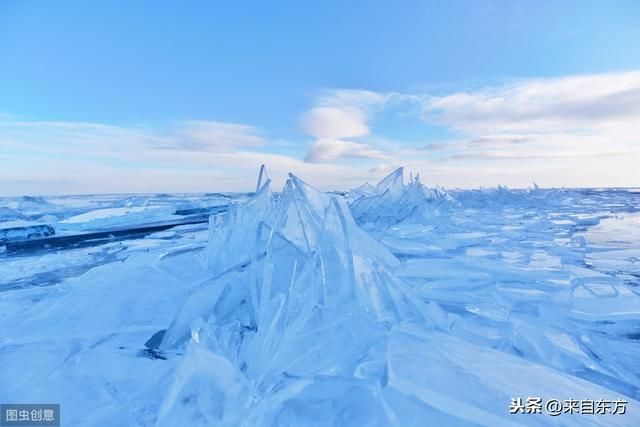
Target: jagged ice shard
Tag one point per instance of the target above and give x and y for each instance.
(395, 304)
(299, 311)
(391, 201)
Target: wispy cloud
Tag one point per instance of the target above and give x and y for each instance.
(206, 136)
(44, 157)
(214, 136)
(574, 130)
(574, 103)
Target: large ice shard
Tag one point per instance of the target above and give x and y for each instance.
(299, 291)
(392, 184)
(232, 234)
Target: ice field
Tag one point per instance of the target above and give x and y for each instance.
(392, 304)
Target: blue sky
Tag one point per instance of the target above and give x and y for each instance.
(193, 96)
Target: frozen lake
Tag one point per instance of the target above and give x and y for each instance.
(393, 304)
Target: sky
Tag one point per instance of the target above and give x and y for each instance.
(159, 96)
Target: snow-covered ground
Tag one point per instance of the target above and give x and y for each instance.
(394, 304)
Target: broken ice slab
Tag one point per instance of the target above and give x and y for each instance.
(210, 390)
(80, 341)
(30, 205)
(26, 242)
(25, 233)
(60, 208)
(207, 390)
(100, 219)
(476, 384)
(605, 302)
(98, 226)
(8, 214)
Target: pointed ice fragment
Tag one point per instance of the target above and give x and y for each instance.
(231, 233)
(392, 183)
(365, 190)
(263, 177)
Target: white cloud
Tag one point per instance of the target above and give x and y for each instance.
(335, 122)
(569, 131)
(327, 150)
(338, 115)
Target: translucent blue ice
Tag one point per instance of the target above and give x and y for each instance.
(396, 304)
(392, 201)
(311, 321)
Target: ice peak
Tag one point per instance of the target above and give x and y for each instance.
(393, 183)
